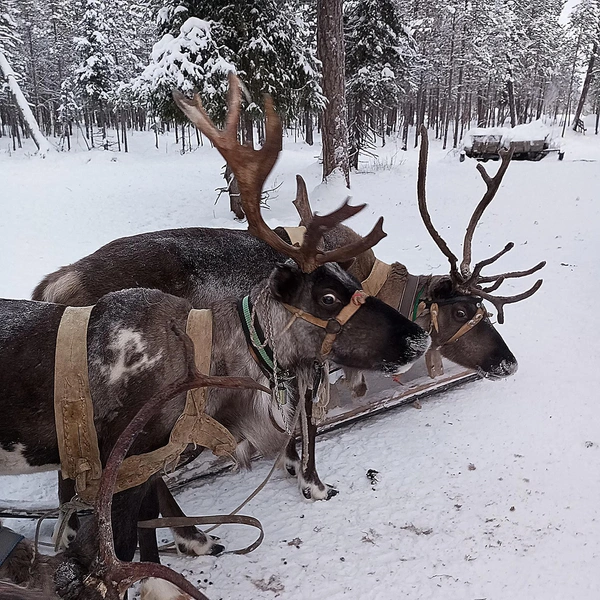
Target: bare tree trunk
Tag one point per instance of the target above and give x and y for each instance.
(331, 52)
(586, 85)
(449, 93)
(571, 84)
(235, 202)
(308, 128)
(510, 88)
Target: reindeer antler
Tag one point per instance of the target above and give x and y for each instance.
(252, 167)
(302, 203)
(464, 280)
(111, 574)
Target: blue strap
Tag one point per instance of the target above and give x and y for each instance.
(8, 542)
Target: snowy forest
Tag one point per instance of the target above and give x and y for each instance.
(108, 67)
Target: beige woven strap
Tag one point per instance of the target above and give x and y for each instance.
(194, 426)
(296, 235)
(73, 408)
(377, 277)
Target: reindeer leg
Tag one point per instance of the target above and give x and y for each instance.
(66, 491)
(147, 537)
(292, 460)
(311, 486)
(188, 540)
(153, 588)
(126, 509)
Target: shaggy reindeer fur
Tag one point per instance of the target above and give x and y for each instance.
(135, 346)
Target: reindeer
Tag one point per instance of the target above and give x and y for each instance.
(450, 306)
(205, 265)
(309, 307)
(90, 569)
(138, 357)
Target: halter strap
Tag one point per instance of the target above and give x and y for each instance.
(477, 318)
(334, 325)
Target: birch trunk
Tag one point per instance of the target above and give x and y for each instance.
(41, 142)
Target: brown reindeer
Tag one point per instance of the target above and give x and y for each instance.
(310, 310)
(90, 569)
(448, 306)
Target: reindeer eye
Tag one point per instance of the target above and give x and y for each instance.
(461, 314)
(329, 299)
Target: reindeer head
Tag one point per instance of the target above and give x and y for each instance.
(460, 324)
(316, 290)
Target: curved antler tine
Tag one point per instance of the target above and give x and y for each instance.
(302, 203)
(437, 238)
(492, 287)
(234, 101)
(500, 301)
(513, 274)
(352, 250)
(474, 277)
(322, 223)
(492, 183)
(192, 108)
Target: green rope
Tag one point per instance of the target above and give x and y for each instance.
(253, 335)
(416, 304)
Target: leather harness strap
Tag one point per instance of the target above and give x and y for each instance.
(334, 325)
(73, 408)
(296, 235)
(76, 433)
(377, 277)
(193, 426)
(409, 293)
(477, 317)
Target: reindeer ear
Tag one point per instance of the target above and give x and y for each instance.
(284, 281)
(346, 264)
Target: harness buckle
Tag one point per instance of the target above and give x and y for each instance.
(333, 326)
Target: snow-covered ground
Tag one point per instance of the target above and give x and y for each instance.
(488, 492)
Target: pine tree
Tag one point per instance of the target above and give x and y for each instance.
(95, 75)
(379, 50)
(266, 43)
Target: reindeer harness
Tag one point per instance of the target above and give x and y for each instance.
(404, 295)
(74, 413)
(264, 356)
(407, 301)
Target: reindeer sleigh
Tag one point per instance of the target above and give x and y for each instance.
(324, 303)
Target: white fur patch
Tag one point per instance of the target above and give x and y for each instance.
(14, 463)
(159, 589)
(68, 534)
(62, 289)
(125, 343)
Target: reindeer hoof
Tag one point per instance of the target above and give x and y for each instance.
(319, 492)
(217, 549)
(194, 542)
(291, 469)
(331, 492)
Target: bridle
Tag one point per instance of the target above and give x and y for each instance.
(434, 310)
(333, 326)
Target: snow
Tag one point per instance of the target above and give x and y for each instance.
(489, 491)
